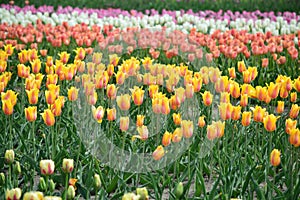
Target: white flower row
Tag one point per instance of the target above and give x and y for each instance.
(156, 22)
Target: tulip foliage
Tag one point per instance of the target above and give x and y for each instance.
(102, 111)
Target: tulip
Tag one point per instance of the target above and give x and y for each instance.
(143, 132)
(179, 190)
(207, 98)
(140, 120)
(270, 122)
(33, 95)
(187, 128)
(236, 112)
(52, 198)
(97, 181)
(177, 135)
(98, 113)
(143, 193)
(294, 138)
(123, 101)
(33, 196)
(153, 90)
(273, 90)
(48, 117)
(73, 93)
(211, 132)
(275, 157)
(36, 66)
(289, 125)
(50, 96)
(13, 194)
(3, 65)
(111, 114)
(64, 57)
(297, 84)
(9, 49)
(280, 107)
(47, 167)
(158, 153)
(189, 91)
(23, 71)
(56, 107)
(293, 97)
(232, 73)
(246, 118)
(80, 53)
(124, 123)
(222, 84)
(225, 110)
(68, 165)
(258, 114)
(130, 196)
(197, 84)
(92, 99)
(71, 192)
(241, 66)
(7, 107)
(9, 156)
(246, 76)
(137, 95)
(111, 91)
(265, 62)
(120, 77)
(176, 118)
(31, 113)
(166, 139)
(294, 111)
(214, 74)
(235, 90)
(201, 121)
(225, 97)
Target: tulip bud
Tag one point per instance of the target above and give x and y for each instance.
(201, 121)
(17, 168)
(275, 157)
(2, 179)
(143, 192)
(13, 194)
(47, 167)
(52, 198)
(68, 165)
(71, 192)
(42, 184)
(9, 156)
(179, 190)
(51, 185)
(97, 181)
(33, 196)
(130, 196)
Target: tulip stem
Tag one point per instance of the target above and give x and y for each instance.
(33, 140)
(53, 142)
(10, 133)
(66, 185)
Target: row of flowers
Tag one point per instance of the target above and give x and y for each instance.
(170, 20)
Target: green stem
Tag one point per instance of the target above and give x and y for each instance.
(11, 143)
(66, 185)
(53, 143)
(33, 140)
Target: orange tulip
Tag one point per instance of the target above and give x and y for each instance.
(23, 56)
(3, 65)
(258, 114)
(289, 125)
(265, 62)
(231, 72)
(176, 118)
(294, 138)
(244, 100)
(207, 98)
(201, 121)
(49, 61)
(246, 76)
(111, 91)
(140, 120)
(235, 89)
(73, 93)
(280, 107)
(33, 95)
(31, 113)
(48, 117)
(293, 97)
(177, 135)
(137, 95)
(166, 139)
(187, 128)
(270, 122)
(124, 123)
(246, 118)
(7, 107)
(23, 71)
(236, 112)
(51, 79)
(98, 113)
(275, 157)
(225, 110)
(36, 66)
(111, 114)
(294, 111)
(158, 153)
(64, 57)
(261, 93)
(273, 90)
(123, 101)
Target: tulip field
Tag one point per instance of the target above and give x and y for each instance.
(106, 103)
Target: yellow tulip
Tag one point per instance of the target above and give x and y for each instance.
(48, 117)
(270, 122)
(31, 113)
